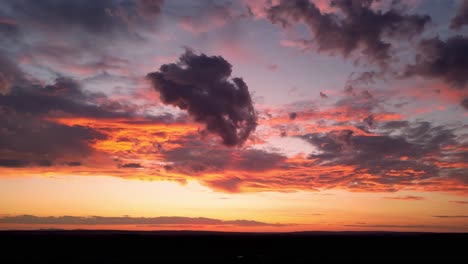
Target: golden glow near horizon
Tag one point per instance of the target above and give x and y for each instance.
(328, 210)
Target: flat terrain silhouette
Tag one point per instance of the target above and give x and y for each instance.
(84, 246)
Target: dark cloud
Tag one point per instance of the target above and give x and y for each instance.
(127, 220)
(393, 125)
(323, 95)
(357, 28)
(44, 163)
(461, 18)
(257, 160)
(292, 115)
(73, 163)
(405, 198)
(200, 85)
(369, 120)
(13, 163)
(131, 165)
(30, 137)
(64, 98)
(445, 60)
(333, 142)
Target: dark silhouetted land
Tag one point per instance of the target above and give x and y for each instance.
(213, 247)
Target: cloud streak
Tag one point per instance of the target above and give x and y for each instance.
(450, 216)
(405, 198)
(127, 220)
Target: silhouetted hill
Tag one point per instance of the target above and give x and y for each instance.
(97, 246)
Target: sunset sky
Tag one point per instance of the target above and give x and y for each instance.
(248, 115)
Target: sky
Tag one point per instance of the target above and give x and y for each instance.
(248, 115)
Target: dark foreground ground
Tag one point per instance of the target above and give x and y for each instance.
(211, 247)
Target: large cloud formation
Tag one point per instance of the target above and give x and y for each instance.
(200, 84)
(358, 28)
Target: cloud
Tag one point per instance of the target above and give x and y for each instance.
(451, 216)
(405, 198)
(29, 138)
(369, 120)
(357, 28)
(387, 226)
(200, 85)
(445, 60)
(292, 115)
(195, 157)
(401, 155)
(39, 122)
(64, 97)
(9, 74)
(367, 77)
(226, 184)
(131, 165)
(103, 17)
(12, 163)
(461, 18)
(74, 163)
(464, 103)
(128, 220)
(459, 202)
(323, 95)
(72, 37)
